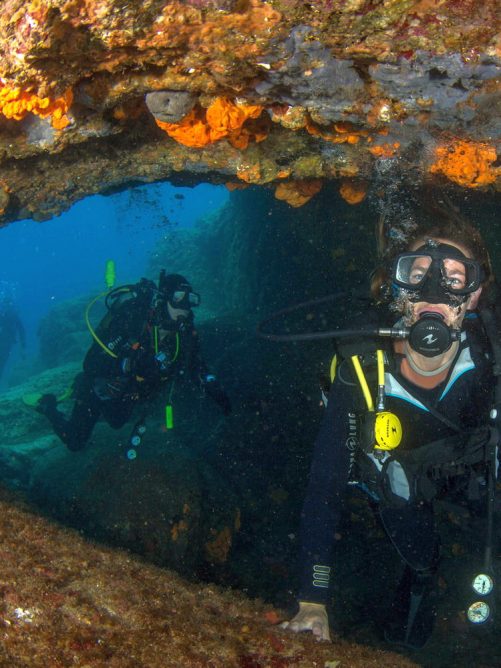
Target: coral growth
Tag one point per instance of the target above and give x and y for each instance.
(16, 103)
(178, 528)
(385, 150)
(129, 110)
(218, 548)
(467, 163)
(222, 119)
(353, 191)
(292, 118)
(236, 186)
(340, 133)
(4, 198)
(297, 193)
(250, 173)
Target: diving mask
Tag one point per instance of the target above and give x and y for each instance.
(437, 273)
(185, 298)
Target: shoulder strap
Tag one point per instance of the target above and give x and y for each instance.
(445, 420)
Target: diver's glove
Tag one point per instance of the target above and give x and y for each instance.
(214, 390)
(142, 363)
(110, 388)
(311, 617)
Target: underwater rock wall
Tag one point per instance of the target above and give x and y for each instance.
(96, 95)
(256, 254)
(62, 334)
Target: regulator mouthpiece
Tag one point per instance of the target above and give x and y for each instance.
(430, 336)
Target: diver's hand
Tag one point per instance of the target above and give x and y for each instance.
(143, 364)
(311, 617)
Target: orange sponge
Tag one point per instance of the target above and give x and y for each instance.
(467, 163)
(223, 118)
(16, 103)
(353, 191)
(297, 193)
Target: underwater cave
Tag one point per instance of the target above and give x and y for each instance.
(216, 499)
(274, 155)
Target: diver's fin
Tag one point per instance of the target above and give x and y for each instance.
(32, 398)
(413, 612)
(68, 392)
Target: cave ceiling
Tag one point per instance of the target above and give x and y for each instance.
(97, 95)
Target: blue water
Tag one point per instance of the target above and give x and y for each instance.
(49, 262)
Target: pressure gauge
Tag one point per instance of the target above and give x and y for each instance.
(482, 584)
(478, 612)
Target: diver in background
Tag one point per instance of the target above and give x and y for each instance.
(145, 342)
(439, 383)
(11, 330)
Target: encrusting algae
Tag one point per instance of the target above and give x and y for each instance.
(15, 103)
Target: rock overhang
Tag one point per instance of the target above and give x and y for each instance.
(97, 94)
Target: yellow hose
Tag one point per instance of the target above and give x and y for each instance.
(333, 368)
(91, 329)
(363, 383)
(380, 380)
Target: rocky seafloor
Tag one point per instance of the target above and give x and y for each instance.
(66, 601)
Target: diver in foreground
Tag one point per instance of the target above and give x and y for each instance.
(424, 435)
(144, 344)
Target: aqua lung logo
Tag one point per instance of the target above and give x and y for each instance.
(113, 344)
(352, 442)
(429, 339)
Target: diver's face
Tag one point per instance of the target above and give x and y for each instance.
(177, 313)
(452, 313)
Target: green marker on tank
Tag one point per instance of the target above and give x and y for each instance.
(169, 419)
(109, 274)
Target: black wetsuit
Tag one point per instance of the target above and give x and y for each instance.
(11, 330)
(112, 385)
(463, 397)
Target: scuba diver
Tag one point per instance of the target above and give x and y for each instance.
(145, 342)
(11, 330)
(432, 393)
